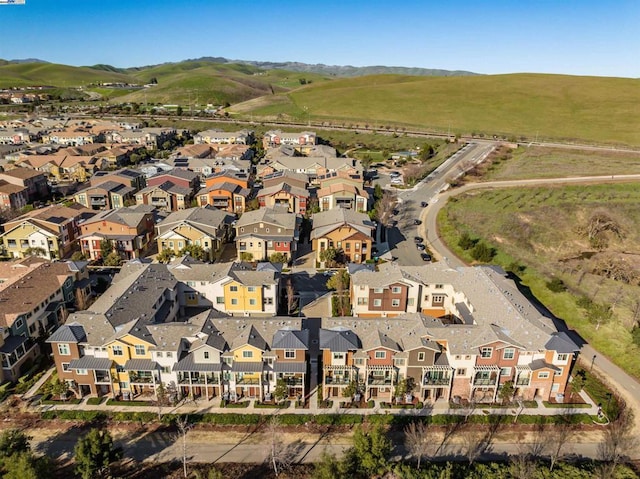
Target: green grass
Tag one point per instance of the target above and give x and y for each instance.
(114, 402)
(589, 109)
(540, 229)
(554, 405)
(95, 401)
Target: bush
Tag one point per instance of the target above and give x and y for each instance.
(371, 404)
(465, 242)
(635, 335)
(556, 285)
(483, 253)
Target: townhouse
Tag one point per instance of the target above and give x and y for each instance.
(491, 333)
(12, 196)
(125, 176)
(69, 137)
(346, 231)
(301, 141)
(234, 289)
(49, 232)
(205, 226)
(294, 198)
(105, 196)
(34, 297)
(338, 189)
(130, 231)
(266, 231)
(34, 182)
(227, 191)
(150, 138)
(165, 197)
(313, 167)
(241, 137)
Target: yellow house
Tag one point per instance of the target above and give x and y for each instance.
(241, 298)
(135, 373)
(247, 376)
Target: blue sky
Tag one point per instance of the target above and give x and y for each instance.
(578, 37)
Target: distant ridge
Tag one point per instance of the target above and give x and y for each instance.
(340, 70)
(27, 60)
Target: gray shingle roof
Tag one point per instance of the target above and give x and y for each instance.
(140, 365)
(188, 364)
(562, 343)
(290, 339)
(68, 333)
(289, 367)
(339, 339)
(327, 221)
(91, 363)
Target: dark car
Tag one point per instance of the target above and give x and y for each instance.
(420, 246)
(425, 257)
(418, 239)
(417, 222)
(424, 204)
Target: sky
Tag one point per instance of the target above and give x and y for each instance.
(576, 37)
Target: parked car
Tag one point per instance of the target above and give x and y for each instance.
(418, 239)
(424, 204)
(417, 222)
(420, 246)
(425, 257)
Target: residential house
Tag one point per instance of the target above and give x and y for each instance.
(294, 198)
(105, 196)
(266, 231)
(338, 345)
(313, 167)
(242, 137)
(346, 231)
(12, 196)
(69, 137)
(205, 226)
(231, 288)
(299, 180)
(177, 176)
(34, 295)
(130, 230)
(14, 136)
(51, 231)
(302, 141)
(34, 182)
(166, 197)
(151, 138)
(125, 176)
(338, 189)
(227, 191)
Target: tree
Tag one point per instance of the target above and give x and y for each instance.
(281, 391)
(13, 441)
(244, 256)
(106, 247)
(179, 111)
(252, 205)
(418, 440)
(351, 389)
(35, 251)
(134, 158)
(340, 283)
(372, 449)
(24, 465)
(328, 255)
(378, 192)
(558, 437)
(59, 388)
(278, 258)
(328, 467)
(194, 250)
(465, 242)
(162, 399)
(618, 439)
(578, 382)
(112, 259)
(506, 392)
(599, 313)
(280, 455)
(290, 295)
(94, 454)
(384, 208)
(183, 425)
(78, 256)
(482, 253)
(165, 255)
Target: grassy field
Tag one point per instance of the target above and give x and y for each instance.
(543, 230)
(29, 74)
(586, 109)
(538, 162)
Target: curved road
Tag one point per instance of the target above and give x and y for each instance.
(627, 386)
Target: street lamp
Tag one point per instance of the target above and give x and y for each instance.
(593, 359)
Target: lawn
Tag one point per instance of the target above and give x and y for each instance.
(541, 234)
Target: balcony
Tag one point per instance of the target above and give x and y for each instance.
(221, 203)
(248, 382)
(293, 381)
(436, 380)
(102, 377)
(379, 381)
(484, 381)
(523, 381)
(97, 201)
(143, 378)
(159, 202)
(337, 380)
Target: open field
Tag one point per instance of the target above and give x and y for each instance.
(30, 74)
(588, 109)
(541, 233)
(541, 162)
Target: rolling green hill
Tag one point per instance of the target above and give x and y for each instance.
(30, 74)
(547, 106)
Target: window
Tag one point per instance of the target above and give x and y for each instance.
(219, 299)
(395, 303)
(559, 372)
(359, 362)
(63, 349)
(251, 289)
(563, 357)
(289, 354)
(159, 354)
(65, 367)
(458, 357)
(555, 388)
(505, 371)
(252, 302)
(19, 323)
(508, 353)
(410, 302)
(467, 356)
(267, 301)
(169, 354)
(117, 350)
(81, 372)
(165, 369)
(206, 354)
(437, 299)
(139, 349)
(377, 303)
(486, 352)
(398, 361)
(378, 290)
(461, 372)
(439, 286)
(233, 289)
(421, 356)
(234, 301)
(396, 290)
(380, 354)
(362, 301)
(339, 356)
(543, 375)
(247, 354)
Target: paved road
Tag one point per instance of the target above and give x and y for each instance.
(626, 385)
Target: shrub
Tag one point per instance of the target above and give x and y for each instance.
(635, 335)
(465, 242)
(482, 253)
(556, 285)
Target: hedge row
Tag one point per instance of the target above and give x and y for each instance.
(319, 419)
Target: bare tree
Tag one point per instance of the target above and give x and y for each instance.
(290, 294)
(280, 455)
(384, 207)
(418, 440)
(558, 438)
(538, 439)
(474, 444)
(522, 465)
(618, 439)
(183, 425)
(468, 408)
